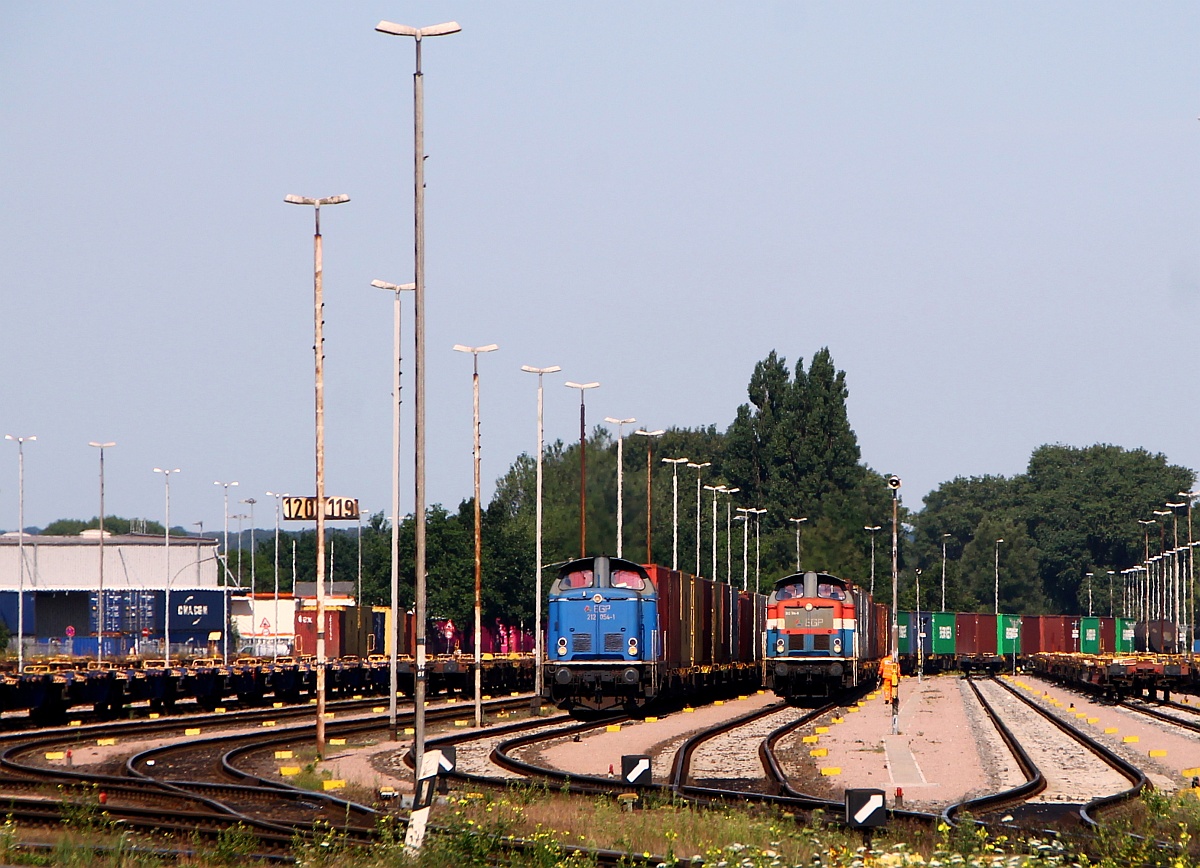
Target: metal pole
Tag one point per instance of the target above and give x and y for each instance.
(538, 652)
(21, 547)
(945, 537)
(582, 387)
(167, 565)
(478, 557)
(620, 423)
(744, 518)
(998, 576)
(895, 484)
(699, 467)
(675, 462)
(420, 590)
(758, 513)
(100, 594)
(319, 394)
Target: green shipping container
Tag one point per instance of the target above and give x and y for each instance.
(942, 627)
(1008, 634)
(1125, 631)
(1089, 636)
(903, 630)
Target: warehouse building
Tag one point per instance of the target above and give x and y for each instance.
(62, 582)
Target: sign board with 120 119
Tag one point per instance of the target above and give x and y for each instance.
(305, 508)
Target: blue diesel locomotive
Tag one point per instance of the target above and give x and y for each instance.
(622, 634)
(824, 635)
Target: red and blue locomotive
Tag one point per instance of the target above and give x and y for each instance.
(622, 634)
(824, 635)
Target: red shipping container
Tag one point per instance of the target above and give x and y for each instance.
(1108, 635)
(975, 635)
(1047, 634)
(306, 632)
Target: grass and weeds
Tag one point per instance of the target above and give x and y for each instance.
(473, 830)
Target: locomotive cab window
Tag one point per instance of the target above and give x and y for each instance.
(789, 592)
(830, 592)
(627, 579)
(574, 581)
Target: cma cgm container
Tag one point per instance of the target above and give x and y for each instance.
(1008, 635)
(1097, 635)
(940, 630)
(1126, 631)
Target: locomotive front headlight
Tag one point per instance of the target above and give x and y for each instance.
(837, 646)
(562, 646)
(779, 645)
(633, 646)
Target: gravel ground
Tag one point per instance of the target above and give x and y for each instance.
(731, 760)
(597, 753)
(1073, 774)
(937, 759)
(1095, 715)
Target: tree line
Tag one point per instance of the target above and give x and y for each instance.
(792, 452)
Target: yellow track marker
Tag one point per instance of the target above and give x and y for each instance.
(105, 742)
(75, 723)
(1110, 730)
(1130, 739)
(719, 702)
(268, 723)
(283, 754)
(195, 730)
(1093, 720)
(688, 710)
(810, 739)
(219, 710)
(1191, 773)
(461, 722)
(819, 751)
(853, 708)
(277, 705)
(288, 771)
(821, 730)
(56, 755)
(337, 742)
(831, 771)
(838, 720)
(1158, 753)
(651, 720)
(613, 727)
(154, 715)
(378, 709)
(333, 785)
(329, 715)
(408, 730)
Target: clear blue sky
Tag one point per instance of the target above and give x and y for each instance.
(987, 211)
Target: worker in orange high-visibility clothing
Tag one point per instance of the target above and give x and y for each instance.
(890, 673)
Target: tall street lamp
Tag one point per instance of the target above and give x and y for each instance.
(538, 671)
(698, 468)
(1190, 497)
(1111, 573)
(620, 423)
(744, 518)
(475, 351)
(1089, 578)
(715, 489)
(1145, 599)
(275, 618)
(20, 441)
(894, 484)
(729, 534)
(1176, 564)
(225, 553)
(945, 539)
(319, 395)
(167, 565)
(675, 462)
(998, 542)
(250, 501)
(758, 514)
(100, 594)
(417, 34)
(872, 529)
(582, 387)
(798, 522)
(395, 289)
(649, 435)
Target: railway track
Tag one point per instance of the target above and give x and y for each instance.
(193, 787)
(1069, 775)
